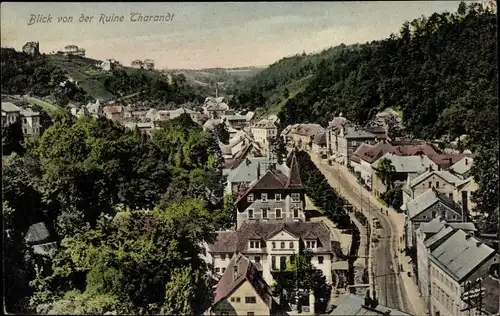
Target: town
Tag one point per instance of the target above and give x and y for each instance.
(218, 206)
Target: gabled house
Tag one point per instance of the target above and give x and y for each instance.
(248, 170)
(263, 130)
(463, 195)
(425, 208)
(362, 159)
(271, 245)
(301, 136)
(460, 258)
(242, 291)
(318, 145)
(113, 112)
(462, 167)
(404, 166)
(443, 181)
(445, 161)
(272, 196)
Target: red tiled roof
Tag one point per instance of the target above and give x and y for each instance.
(413, 150)
(113, 109)
(447, 160)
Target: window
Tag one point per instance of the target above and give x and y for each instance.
(224, 314)
(250, 213)
(295, 197)
(238, 300)
(282, 263)
(264, 213)
(233, 299)
(217, 270)
(430, 184)
(354, 143)
(282, 245)
(273, 262)
(274, 245)
(250, 299)
(25, 131)
(291, 245)
(450, 195)
(223, 256)
(320, 259)
(443, 214)
(254, 244)
(277, 197)
(250, 197)
(310, 244)
(296, 212)
(437, 184)
(25, 121)
(223, 270)
(257, 259)
(264, 197)
(250, 314)
(278, 212)
(434, 213)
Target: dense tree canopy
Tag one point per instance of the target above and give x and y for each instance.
(130, 211)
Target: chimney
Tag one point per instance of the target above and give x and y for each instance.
(367, 300)
(374, 303)
(479, 243)
(235, 271)
(258, 171)
(469, 235)
(312, 302)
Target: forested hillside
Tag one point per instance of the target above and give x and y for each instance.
(93, 181)
(439, 71)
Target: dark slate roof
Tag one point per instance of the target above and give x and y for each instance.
(245, 271)
(320, 139)
(460, 255)
(237, 241)
(294, 180)
(37, 233)
(352, 304)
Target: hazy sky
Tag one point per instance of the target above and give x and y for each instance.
(205, 35)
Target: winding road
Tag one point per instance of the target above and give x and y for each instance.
(385, 264)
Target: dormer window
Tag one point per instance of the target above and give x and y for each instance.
(277, 197)
(310, 244)
(254, 244)
(295, 197)
(264, 197)
(250, 197)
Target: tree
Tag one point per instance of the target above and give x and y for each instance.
(301, 275)
(222, 133)
(385, 171)
(12, 138)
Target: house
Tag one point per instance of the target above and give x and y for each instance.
(463, 195)
(262, 131)
(458, 259)
(10, 113)
(345, 140)
(210, 124)
(137, 64)
(427, 237)
(113, 112)
(73, 50)
(301, 136)
(108, 65)
(247, 171)
(271, 245)
(462, 167)
(149, 64)
(404, 166)
(195, 116)
(443, 181)
(237, 122)
(215, 108)
(425, 208)
(272, 196)
(32, 48)
(30, 121)
(352, 304)
(362, 159)
(41, 239)
(94, 109)
(318, 145)
(242, 291)
(445, 161)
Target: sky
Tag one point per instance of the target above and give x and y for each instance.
(209, 34)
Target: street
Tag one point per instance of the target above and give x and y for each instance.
(388, 283)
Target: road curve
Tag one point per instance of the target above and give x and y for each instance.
(388, 283)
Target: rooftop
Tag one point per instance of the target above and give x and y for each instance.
(407, 164)
(10, 107)
(247, 170)
(460, 254)
(443, 174)
(352, 304)
(426, 200)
